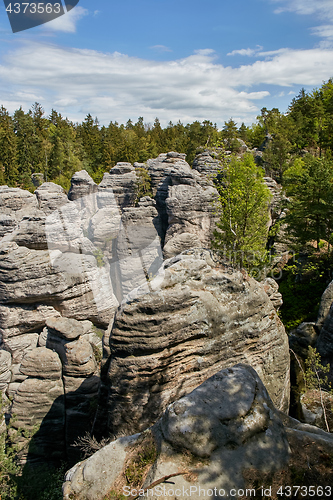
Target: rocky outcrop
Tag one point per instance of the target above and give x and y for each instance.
(66, 263)
(324, 327)
(272, 289)
(15, 203)
(325, 305)
(209, 437)
(206, 163)
(184, 200)
(82, 185)
(66, 281)
(39, 407)
(191, 218)
(123, 181)
(59, 386)
(198, 318)
(50, 197)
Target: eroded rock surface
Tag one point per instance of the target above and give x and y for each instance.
(198, 318)
(229, 421)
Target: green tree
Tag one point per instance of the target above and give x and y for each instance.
(309, 184)
(91, 141)
(230, 134)
(8, 149)
(243, 204)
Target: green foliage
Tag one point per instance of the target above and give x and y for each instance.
(230, 134)
(316, 374)
(309, 184)
(302, 285)
(144, 186)
(99, 256)
(8, 148)
(243, 207)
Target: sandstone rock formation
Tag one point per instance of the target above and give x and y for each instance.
(324, 327)
(206, 163)
(184, 200)
(123, 181)
(39, 407)
(52, 401)
(67, 262)
(229, 422)
(198, 318)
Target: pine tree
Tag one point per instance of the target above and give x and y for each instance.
(8, 149)
(309, 185)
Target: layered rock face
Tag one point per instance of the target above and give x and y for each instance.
(213, 434)
(206, 163)
(57, 378)
(184, 200)
(198, 318)
(66, 263)
(324, 326)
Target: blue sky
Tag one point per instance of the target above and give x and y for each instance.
(176, 60)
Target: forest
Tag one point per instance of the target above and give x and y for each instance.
(33, 142)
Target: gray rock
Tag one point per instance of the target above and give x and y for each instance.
(41, 363)
(82, 185)
(66, 328)
(18, 346)
(306, 334)
(204, 163)
(7, 224)
(19, 319)
(198, 319)
(122, 180)
(79, 360)
(190, 210)
(73, 283)
(31, 233)
(39, 409)
(325, 304)
(272, 289)
(229, 420)
(5, 373)
(225, 410)
(15, 204)
(37, 179)
(50, 197)
(180, 242)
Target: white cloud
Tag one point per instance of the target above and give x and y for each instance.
(321, 8)
(246, 52)
(117, 87)
(67, 22)
(160, 48)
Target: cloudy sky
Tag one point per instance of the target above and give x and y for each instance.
(172, 59)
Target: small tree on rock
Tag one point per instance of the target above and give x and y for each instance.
(244, 207)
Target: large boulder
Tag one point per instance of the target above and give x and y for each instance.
(206, 440)
(185, 202)
(198, 318)
(191, 211)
